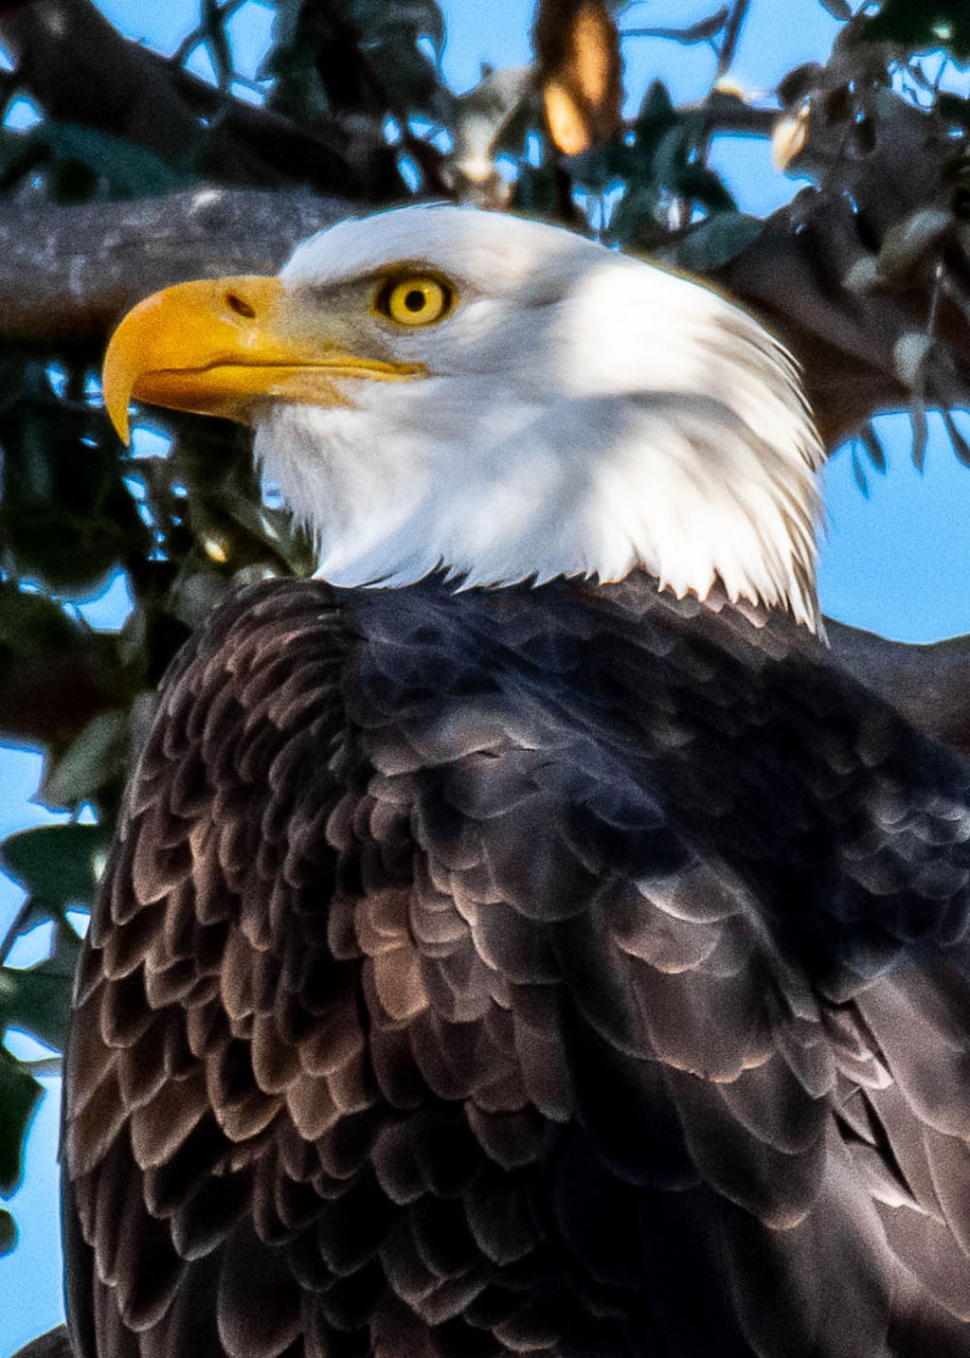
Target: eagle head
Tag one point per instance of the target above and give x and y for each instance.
(436, 387)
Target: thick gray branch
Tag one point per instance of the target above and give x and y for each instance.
(67, 274)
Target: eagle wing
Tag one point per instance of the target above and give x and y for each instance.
(479, 974)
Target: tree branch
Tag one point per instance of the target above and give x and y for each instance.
(928, 684)
(68, 274)
(732, 35)
(54, 1344)
(71, 60)
(792, 277)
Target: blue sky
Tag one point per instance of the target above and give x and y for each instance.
(896, 562)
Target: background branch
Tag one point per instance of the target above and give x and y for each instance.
(67, 274)
(928, 684)
(55, 1343)
(81, 70)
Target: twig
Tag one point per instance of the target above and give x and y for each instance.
(53, 1344)
(13, 933)
(732, 33)
(705, 30)
(201, 31)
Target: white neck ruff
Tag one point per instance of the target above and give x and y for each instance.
(623, 417)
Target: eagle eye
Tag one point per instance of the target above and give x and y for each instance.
(416, 299)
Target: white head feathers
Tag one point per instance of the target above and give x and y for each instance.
(583, 413)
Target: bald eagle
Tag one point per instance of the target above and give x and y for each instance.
(520, 938)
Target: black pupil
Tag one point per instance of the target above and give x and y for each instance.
(415, 300)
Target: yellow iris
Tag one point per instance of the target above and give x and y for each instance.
(415, 300)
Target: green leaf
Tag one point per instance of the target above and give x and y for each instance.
(920, 25)
(910, 354)
(84, 162)
(378, 20)
(73, 182)
(19, 1093)
(392, 44)
(55, 674)
(29, 916)
(129, 171)
(674, 146)
(656, 112)
(20, 154)
(38, 999)
(97, 757)
(537, 190)
(8, 1232)
(67, 516)
(634, 222)
(907, 242)
(953, 109)
(712, 243)
(59, 864)
(699, 184)
(39, 625)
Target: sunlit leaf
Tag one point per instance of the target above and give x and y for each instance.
(788, 137)
(910, 353)
(578, 55)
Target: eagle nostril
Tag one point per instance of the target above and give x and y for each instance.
(239, 305)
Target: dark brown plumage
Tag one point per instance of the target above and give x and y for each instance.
(571, 971)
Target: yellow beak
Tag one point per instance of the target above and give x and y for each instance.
(227, 346)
